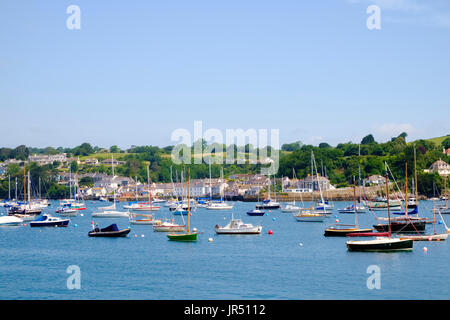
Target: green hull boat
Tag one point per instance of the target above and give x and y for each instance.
(182, 236)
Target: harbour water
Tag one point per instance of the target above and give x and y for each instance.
(295, 262)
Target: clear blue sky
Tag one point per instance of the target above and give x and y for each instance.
(137, 70)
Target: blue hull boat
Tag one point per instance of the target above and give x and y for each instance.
(256, 213)
(49, 221)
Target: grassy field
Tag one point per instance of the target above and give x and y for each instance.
(438, 140)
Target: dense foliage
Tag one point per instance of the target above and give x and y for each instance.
(342, 164)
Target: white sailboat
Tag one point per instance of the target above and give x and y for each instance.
(312, 215)
(222, 205)
(110, 211)
(135, 218)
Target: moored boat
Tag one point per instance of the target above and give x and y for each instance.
(10, 221)
(110, 231)
(47, 220)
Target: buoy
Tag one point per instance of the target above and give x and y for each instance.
(274, 219)
(335, 216)
(300, 244)
(82, 214)
(270, 232)
(425, 249)
(142, 236)
(337, 220)
(194, 229)
(135, 235)
(75, 225)
(24, 224)
(440, 222)
(210, 239)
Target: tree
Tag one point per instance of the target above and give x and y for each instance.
(114, 149)
(368, 139)
(74, 166)
(446, 143)
(324, 145)
(86, 181)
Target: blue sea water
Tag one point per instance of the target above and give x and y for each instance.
(295, 262)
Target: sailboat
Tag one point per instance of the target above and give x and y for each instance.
(110, 211)
(26, 211)
(431, 237)
(291, 207)
(383, 244)
(268, 203)
(222, 205)
(445, 209)
(188, 235)
(406, 224)
(342, 232)
(312, 215)
(70, 207)
(135, 218)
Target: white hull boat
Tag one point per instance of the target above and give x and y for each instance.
(238, 227)
(111, 214)
(6, 221)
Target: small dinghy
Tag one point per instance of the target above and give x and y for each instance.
(110, 231)
(47, 220)
(256, 212)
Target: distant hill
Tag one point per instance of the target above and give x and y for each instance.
(438, 140)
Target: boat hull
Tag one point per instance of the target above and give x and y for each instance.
(254, 230)
(256, 214)
(109, 234)
(434, 237)
(185, 237)
(410, 226)
(62, 223)
(380, 245)
(335, 232)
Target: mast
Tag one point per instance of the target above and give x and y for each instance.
(210, 185)
(415, 178)
(434, 218)
(149, 191)
(29, 192)
(354, 200)
(16, 189)
(24, 185)
(189, 199)
(406, 188)
(70, 181)
(389, 210)
(9, 187)
(112, 182)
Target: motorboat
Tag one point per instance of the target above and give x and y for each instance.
(236, 226)
(111, 214)
(10, 221)
(168, 226)
(47, 220)
(110, 231)
(290, 208)
(268, 204)
(219, 206)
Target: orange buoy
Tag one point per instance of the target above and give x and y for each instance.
(270, 232)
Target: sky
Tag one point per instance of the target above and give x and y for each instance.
(136, 71)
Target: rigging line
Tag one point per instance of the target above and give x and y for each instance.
(395, 181)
